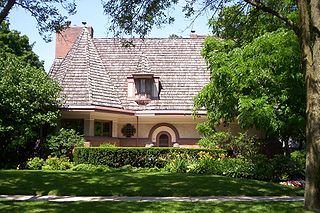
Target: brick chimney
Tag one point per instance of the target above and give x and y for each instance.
(66, 38)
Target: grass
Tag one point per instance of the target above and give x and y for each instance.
(70, 207)
(134, 184)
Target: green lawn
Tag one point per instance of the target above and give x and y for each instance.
(133, 184)
(37, 206)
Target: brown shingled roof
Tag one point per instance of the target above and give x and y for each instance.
(83, 77)
(95, 71)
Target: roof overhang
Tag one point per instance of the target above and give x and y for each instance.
(132, 112)
(168, 112)
(97, 109)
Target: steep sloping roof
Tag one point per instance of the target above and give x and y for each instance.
(177, 62)
(83, 77)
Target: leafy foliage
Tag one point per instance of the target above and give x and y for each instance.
(12, 42)
(257, 167)
(243, 23)
(137, 17)
(137, 157)
(90, 168)
(57, 163)
(35, 163)
(51, 163)
(63, 143)
(28, 105)
(259, 85)
(47, 13)
(107, 145)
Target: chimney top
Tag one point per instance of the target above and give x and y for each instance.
(193, 34)
(66, 38)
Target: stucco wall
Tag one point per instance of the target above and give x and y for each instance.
(185, 130)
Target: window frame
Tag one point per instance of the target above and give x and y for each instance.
(102, 130)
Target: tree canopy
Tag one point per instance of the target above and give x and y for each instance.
(13, 42)
(28, 98)
(28, 103)
(47, 13)
(258, 84)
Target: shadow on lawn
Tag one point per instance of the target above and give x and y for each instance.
(6, 206)
(133, 184)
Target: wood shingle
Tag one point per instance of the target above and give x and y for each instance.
(95, 71)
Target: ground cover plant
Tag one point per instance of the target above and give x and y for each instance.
(134, 184)
(285, 207)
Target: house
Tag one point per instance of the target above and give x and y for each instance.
(136, 93)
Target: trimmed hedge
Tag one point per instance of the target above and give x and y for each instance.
(137, 157)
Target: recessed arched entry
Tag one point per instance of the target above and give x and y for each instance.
(163, 139)
(164, 134)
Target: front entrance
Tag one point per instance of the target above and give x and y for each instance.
(163, 139)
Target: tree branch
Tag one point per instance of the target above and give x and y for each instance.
(4, 13)
(261, 6)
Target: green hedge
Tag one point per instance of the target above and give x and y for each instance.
(137, 157)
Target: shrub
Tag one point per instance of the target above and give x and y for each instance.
(35, 163)
(63, 143)
(137, 157)
(236, 167)
(283, 166)
(216, 139)
(258, 167)
(205, 164)
(299, 157)
(177, 165)
(55, 163)
(107, 145)
(90, 168)
(261, 167)
(241, 144)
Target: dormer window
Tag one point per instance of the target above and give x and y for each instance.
(142, 88)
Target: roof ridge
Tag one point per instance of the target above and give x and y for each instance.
(87, 54)
(93, 59)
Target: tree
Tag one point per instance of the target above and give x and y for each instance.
(28, 107)
(46, 12)
(258, 85)
(12, 42)
(125, 15)
(285, 119)
(242, 25)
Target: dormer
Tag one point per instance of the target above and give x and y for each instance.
(143, 86)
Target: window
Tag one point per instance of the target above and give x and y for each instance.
(142, 88)
(103, 128)
(142, 85)
(76, 124)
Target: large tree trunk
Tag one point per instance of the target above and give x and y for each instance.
(309, 18)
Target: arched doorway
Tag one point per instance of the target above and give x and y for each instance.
(170, 137)
(163, 139)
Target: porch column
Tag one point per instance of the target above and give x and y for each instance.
(89, 127)
(114, 129)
